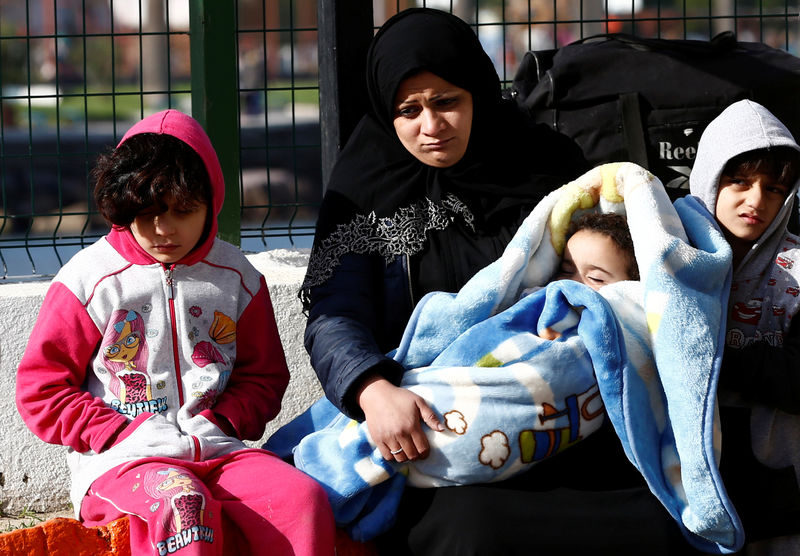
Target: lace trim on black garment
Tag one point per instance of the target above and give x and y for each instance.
(402, 233)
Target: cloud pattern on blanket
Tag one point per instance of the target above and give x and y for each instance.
(647, 352)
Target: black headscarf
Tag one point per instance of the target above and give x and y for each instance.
(382, 200)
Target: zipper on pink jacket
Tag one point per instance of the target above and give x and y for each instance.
(197, 454)
(173, 326)
(176, 359)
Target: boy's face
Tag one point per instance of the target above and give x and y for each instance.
(746, 206)
(593, 259)
(170, 235)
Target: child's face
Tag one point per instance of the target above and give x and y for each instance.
(593, 259)
(171, 235)
(747, 204)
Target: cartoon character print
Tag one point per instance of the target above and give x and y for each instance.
(784, 262)
(748, 313)
(539, 441)
(764, 319)
(125, 351)
(223, 329)
(187, 503)
(205, 399)
(184, 522)
(221, 333)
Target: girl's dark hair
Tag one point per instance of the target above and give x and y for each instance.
(615, 227)
(146, 170)
(780, 163)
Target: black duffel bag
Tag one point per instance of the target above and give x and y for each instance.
(625, 98)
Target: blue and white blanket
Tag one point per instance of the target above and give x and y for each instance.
(646, 352)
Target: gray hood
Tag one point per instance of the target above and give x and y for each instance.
(743, 126)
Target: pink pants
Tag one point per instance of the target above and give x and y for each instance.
(247, 502)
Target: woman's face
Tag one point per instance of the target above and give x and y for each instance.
(433, 119)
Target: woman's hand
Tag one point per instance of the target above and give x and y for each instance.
(393, 416)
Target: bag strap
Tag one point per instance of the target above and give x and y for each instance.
(632, 128)
(724, 41)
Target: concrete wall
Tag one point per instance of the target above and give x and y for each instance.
(33, 474)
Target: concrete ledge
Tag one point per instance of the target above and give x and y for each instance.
(34, 475)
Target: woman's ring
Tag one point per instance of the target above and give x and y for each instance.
(393, 452)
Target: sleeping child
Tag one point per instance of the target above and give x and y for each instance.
(599, 251)
(526, 360)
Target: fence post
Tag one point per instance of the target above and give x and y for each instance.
(345, 31)
(215, 100)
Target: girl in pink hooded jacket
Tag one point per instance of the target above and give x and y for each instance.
(156, 353)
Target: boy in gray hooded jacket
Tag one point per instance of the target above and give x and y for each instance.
(746, 174)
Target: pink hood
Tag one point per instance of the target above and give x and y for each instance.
(187, 129)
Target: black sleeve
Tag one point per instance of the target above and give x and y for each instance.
(765, 374)
(340, 334)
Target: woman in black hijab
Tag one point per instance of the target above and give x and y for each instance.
(429, 189)
(393, 228)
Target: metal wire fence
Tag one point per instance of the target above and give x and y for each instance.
(279, 90)
(75, 74)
